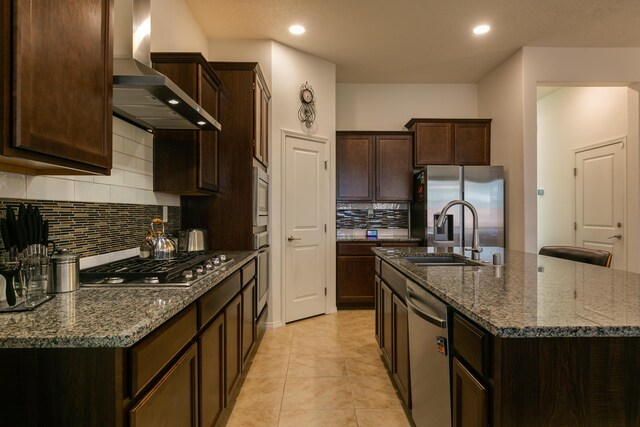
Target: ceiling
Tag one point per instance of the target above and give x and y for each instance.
(421, 41)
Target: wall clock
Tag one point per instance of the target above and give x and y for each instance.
(307, 111)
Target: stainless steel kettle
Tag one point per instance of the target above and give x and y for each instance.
(163, 246)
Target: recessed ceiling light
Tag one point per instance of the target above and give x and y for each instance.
(202, 123)
(481, 29)
(173, 102)
(297, 29)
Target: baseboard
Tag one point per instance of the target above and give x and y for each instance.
(274, 325)
(332, 310)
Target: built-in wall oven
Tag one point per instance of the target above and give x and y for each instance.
(261, 231)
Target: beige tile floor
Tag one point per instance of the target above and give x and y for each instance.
(323, 371)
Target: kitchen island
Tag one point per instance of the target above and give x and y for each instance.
(131, 356)
(539, 341)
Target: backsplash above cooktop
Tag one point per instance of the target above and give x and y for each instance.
(97, 228)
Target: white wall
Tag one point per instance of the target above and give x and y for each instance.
(243, 51)
(175, 29)
(500, 98)
(390, 106)
(581, 66)
(570, 118)
(131, 179)
(290, 69)
(510, 93)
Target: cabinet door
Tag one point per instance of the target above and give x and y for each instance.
(62, 91)
(208, 140)
(211, 346)
(472, 143)
(354, 168)
(264, 128)
(233, 341)
(174, 400)
(434, 144)
(257, 118)
(355, 281)
(386, 318)
(378, 309)
(394, 167)
(469, 398)
(400, 364)
(248, 319)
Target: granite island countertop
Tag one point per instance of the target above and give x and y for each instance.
(531, 295)
(382, 239)
(106, 317)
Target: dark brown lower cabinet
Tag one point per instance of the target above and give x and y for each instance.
(393, 335)
(248, 320)
(211, 346)
(355, 273)
(470, 407)
(400, 369)
(233, 342)
(386, 305)
(378, 299)
(174, 400)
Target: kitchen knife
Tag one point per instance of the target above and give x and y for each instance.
(38, 225)
(6, 240)
(45, 232)
(21, 238)
(11, 225)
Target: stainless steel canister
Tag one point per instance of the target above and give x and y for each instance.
(64, 272)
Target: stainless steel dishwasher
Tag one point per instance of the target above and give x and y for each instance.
(429, 358)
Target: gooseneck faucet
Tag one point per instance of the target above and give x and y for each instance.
(475, 248)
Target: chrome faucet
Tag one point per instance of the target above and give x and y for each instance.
(475, 248)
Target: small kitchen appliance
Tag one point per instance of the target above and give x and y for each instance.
(192, 240)
(65, 272)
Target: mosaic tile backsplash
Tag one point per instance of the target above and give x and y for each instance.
(372, 218)
(89, 229)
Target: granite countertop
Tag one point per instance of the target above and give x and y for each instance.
(106, 317)
(532, 295)
(359, 239)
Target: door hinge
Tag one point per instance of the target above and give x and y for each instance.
(325, 291)
(575, 225)
(325, 228)
(326, 163)
(575, 171)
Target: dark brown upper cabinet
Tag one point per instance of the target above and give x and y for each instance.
(56, 65)
(374, 166)
(451, 141)
(185, 162)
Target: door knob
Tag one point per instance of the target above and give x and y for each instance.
(617, 236)
(291, 238)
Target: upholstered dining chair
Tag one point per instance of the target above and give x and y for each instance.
(575, 253)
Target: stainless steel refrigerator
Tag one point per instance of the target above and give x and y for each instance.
(482, 186)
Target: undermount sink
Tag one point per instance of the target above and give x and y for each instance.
(441, 260)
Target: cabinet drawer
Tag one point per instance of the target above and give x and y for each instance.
(471, 344)
(377, 265)
(213, 301)
(248, 272)
(150, 355)
(355, 248)
(394, 279)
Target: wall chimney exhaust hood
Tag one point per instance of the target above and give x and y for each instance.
(141, 95)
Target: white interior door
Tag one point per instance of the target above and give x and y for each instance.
(306, 188)
(600, 201)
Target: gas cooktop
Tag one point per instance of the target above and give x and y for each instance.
(183, 270)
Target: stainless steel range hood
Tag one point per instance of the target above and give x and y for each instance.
(141, 95)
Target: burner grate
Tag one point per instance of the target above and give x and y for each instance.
(136, 268)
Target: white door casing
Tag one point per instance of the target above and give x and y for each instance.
(306, 184)
(600, 199)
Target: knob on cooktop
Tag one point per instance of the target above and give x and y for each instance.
(187, 274)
